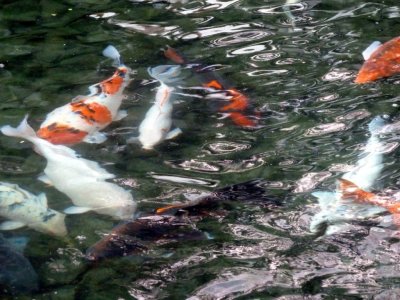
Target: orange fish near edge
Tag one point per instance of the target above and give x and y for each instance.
(383, 62)
(238, 103)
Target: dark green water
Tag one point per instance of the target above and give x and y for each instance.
(314, 124)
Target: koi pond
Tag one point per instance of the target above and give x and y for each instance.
(276, 179)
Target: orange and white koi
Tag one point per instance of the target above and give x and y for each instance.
(157, 123)
(82, 180)
(83, 118)
(335, 209)
(349, 190)
(238, 106)
(381, 60)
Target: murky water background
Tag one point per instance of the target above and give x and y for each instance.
(314, 125)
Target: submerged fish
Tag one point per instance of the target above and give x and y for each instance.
(237, 106)
(82, 180)
(83, 118)
(391, 203)
(17, 275)
(380, 61)
(174, 222)
(25, 209)
(337, 210)
(156, 125)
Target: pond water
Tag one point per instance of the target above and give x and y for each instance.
(298, 74)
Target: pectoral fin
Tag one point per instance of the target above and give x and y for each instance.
(43, 178)
(173, 134)
(371, 49)
(73, 210)
(120, 115)
(95, 138)
(11, 225)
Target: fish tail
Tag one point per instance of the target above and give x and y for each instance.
(165, 73)
(349, 190)
(111, 52)
(173, 55)
(23, 130)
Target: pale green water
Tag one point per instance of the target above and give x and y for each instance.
(301, 78)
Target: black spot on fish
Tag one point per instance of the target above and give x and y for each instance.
(47, 217)
(14, 206)
(52, 126)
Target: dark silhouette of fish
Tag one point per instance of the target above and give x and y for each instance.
(17, 275)
(174, 222)
(237, 105)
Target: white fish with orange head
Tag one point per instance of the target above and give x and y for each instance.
(82, 180)
(83, 118)
(156, 125)
(23, 208)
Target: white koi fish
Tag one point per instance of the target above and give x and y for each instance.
(22, 208)
(82, 180)
(83, 118)
(335, 209)
(156, 125)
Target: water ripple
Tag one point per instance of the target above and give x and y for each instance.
(241, 37)
(325, 129)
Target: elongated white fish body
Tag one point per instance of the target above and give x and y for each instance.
(83, 118)
(25, 209)
(156, 125)
(336, 211)
(82, 180)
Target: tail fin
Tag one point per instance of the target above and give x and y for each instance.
(173, 55)
(351, 191)
(23, 130)
(165, 73)
(111, 52)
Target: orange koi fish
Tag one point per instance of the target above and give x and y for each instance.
(351, 191)
(83, 118)
(380, 61)
(239, 104)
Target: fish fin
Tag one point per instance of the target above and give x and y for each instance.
(371, 49)
(112, 52)
(11, 225)
(349, 190)
(95, 138)
(45, 179)
(173, 55)
(42, 199)
(173, 134)
(23, 130)
(165, 73)
(133, 140)
(73, 210)
(121, 114)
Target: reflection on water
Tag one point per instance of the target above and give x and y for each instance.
(296, 62)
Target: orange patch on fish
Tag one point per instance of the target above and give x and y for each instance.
(214, 84)
(113, 84)
(92, 112)
(352, 191)
(384, 62)
(58, 134)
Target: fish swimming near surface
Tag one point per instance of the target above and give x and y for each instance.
(337, 210)
(17, 275)
(84, 117)
(237, 105)
(22, 208)
(391, 203)
(156, 126)
(82, 180)
(381, 60)
(175, 222)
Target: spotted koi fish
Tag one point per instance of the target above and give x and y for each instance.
(238, 106)
(351, 191)
(381, 60)
(83, 118)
